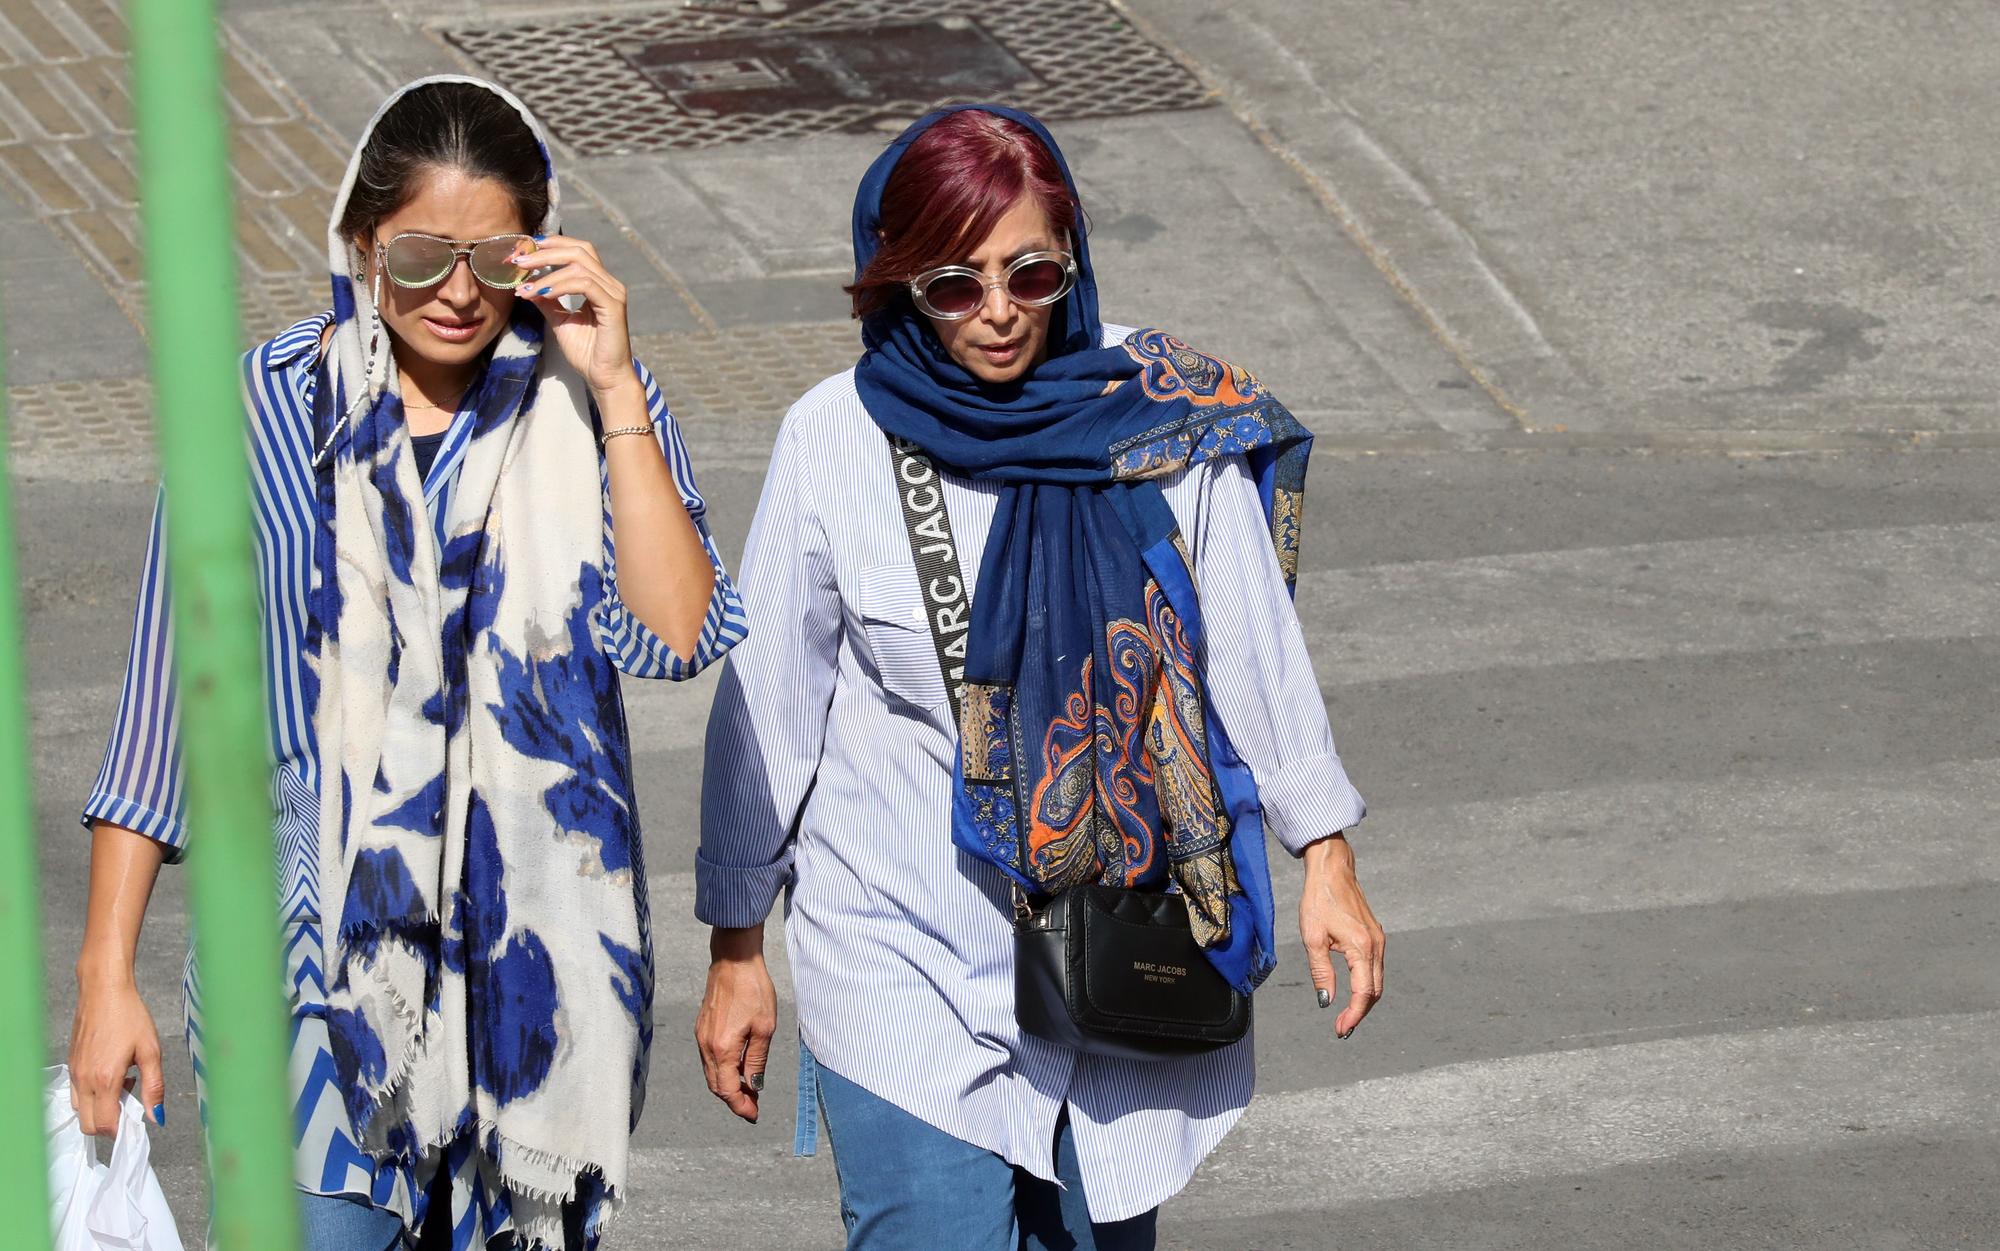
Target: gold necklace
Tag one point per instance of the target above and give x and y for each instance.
(440, 407)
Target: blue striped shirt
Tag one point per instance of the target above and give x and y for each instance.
(140, 784)
(829, 771)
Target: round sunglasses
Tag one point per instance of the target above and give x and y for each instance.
(955, 292)
(415, 260)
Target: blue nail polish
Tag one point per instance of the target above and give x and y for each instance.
(539, 238)
(160, 1115)
(543, 291)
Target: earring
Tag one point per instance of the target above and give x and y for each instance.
(367, 365)
(374, 320)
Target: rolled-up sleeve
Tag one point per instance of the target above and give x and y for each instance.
(767, 728)
(1260, 678)
(139, 785)
(632, 646)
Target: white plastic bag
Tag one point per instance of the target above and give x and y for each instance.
(103, 1207)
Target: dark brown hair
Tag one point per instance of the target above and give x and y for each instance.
(459, 126)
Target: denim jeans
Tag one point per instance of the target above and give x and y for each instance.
(331, 1223)
(906, 1186)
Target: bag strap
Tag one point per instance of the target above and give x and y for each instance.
(941, 582)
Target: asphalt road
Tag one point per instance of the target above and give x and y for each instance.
(1651, 573)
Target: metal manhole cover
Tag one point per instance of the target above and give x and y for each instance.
(945, 58)
(701, 75)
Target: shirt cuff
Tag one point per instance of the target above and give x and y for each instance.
(169, 832)
(640, 653)
(1309, 799)
(735, 896)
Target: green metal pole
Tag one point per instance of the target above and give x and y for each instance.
(24, 1166)
(191, 285)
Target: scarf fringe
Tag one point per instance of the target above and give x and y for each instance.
(540, 1233)
(551, 1162)
(540, 1161)
(543, 1233)
(417, 1024)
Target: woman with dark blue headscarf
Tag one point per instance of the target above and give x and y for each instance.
(1125, 700)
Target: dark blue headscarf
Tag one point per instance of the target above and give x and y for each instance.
(1088, 748)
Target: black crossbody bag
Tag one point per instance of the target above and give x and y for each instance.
(1103, 969)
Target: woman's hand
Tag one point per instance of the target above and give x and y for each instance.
(739, 1013)
(594, 339)
(112, 1032)
(1334, 916)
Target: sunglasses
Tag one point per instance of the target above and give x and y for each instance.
(955, 292)
(414, 260)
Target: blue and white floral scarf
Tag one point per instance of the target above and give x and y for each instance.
(485, 926)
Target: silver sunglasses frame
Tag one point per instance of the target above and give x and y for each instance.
(918, 283)
(382, 259)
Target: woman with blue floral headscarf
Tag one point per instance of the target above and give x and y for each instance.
(473, 511)
(1126, 702)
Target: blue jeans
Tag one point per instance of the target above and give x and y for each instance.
(331, 1223)
(907, 1186)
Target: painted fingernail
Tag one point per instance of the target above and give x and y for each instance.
(543, 291)
(1326, 999)
(756, 1081)
(160, 1115)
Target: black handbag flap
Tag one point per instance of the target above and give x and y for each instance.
(1157, 908)
(1141, 963)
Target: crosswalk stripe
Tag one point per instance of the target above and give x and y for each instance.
(1496, 1121)
(1635, 602)
(680, 944)
(55, 712)
(1587, 851)
(1596, 850)
(1640, 601)
(1676, 844)
(668, 716)
(1630, 846)
(1652, 600)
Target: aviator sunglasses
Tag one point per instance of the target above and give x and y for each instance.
(955, 292)
(414, 260)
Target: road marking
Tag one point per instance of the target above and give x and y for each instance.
(1595, 850)
(1492, 1122)
(1652, 600)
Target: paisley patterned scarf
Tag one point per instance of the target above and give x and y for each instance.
(1088, 748)
(485, 928)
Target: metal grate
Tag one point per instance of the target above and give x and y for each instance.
(703, 75)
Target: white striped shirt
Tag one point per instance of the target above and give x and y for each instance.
(829, 771)
(140, 785)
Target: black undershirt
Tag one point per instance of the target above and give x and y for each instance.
(425, 448)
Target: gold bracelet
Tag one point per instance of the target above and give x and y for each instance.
(609, 435)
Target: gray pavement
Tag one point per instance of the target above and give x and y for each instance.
(1650, 575)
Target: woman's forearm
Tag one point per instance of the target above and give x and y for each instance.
(123, 867)
(665, 577)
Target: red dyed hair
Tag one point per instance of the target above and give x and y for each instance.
(948, 191)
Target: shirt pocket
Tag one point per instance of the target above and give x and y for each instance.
(899, 636)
